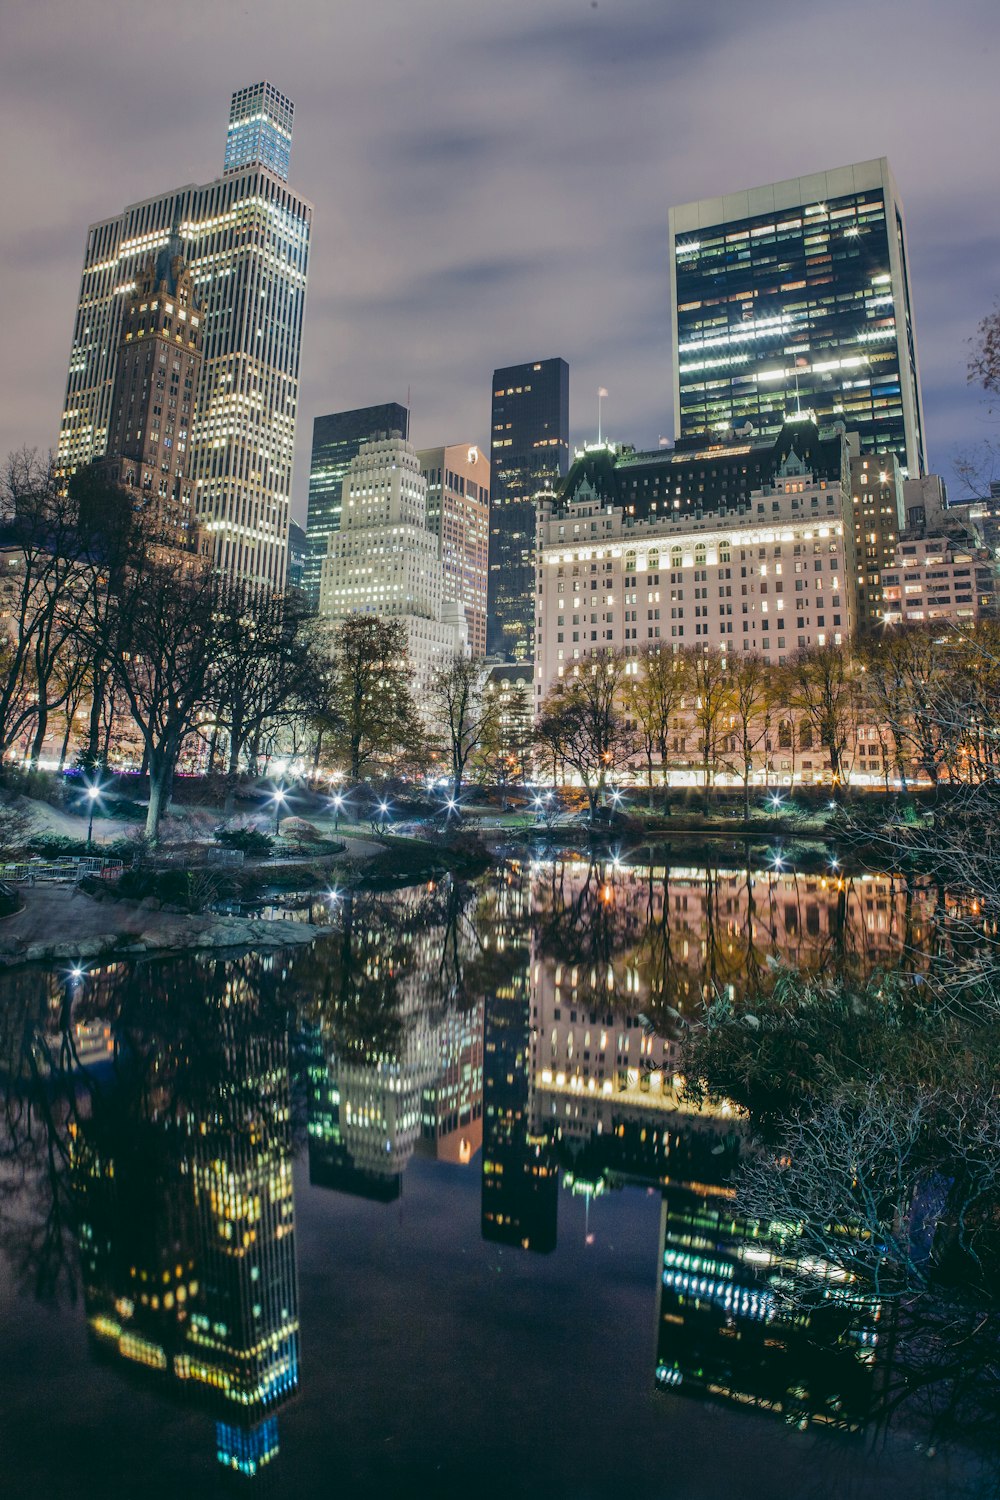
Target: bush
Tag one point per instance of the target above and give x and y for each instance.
(249, 840)
(40, 786)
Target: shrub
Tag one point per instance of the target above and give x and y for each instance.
(249, 840)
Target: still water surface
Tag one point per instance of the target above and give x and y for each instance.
(419, 1209)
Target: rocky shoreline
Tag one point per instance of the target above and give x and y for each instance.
(63, 923)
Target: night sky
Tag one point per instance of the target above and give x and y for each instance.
(491, 181)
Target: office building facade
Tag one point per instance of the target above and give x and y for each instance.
(770, 570)
(245, 237)
(337, 439)
(458, 513)
(157, 375)
(879, 517)
(529, 448)
(384, 561)
(796, 295)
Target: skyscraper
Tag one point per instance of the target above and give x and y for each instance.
(384, 561)
(529, 437)
(245, 237)
(796, 295)
(458, 513)
(260, 129)
(157, 374)
(337, 438)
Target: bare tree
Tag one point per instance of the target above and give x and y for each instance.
(822, 688)
(466, 711)
(504, 752)
(706, 683)
(654, 695)
(261, 668)
(163, 630)
(749, 695)
(582, 724)
(40, 536)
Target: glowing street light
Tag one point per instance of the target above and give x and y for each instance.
(279, 798)
(776, 800)
(338, 807)
(93, 797)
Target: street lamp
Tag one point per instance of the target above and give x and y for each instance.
(338, 808)
(279, 799)
(93, 797)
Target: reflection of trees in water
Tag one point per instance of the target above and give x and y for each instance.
(665, 939)
(393, 954)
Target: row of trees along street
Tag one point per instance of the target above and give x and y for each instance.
(106, 627)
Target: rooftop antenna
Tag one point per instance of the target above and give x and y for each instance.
(601, 393)
(406, 434)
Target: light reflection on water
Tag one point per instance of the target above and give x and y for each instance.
(516, 1032)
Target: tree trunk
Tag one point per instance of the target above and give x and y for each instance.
(64, 748)
(41, 728)
(318, 750)
(160, 779)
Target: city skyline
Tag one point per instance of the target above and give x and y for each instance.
(503, 248)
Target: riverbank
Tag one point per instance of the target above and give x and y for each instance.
(63, 923)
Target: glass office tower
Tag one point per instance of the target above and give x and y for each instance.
(260, 129)
(796, 296)
(245, 237)
(337, 439)
(529, 452)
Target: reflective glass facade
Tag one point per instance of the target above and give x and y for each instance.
(529, 450)
(796, 296)
(260, 129)
(337, 439)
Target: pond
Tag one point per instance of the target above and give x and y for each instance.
(424, 1207)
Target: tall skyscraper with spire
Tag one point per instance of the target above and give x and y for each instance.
(245, 238)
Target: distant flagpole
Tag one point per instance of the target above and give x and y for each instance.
(601, 393)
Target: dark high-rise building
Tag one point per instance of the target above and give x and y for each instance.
(296, 555)
(337, 438)
(796, 296)
(152, 410)
(529, 436)
(520, 1181)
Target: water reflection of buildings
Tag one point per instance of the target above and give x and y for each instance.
(744, 1314)
(394, 1065)
(183, 1179)
(660, 935)
(520, 1180)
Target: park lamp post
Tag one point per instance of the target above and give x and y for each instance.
(279, 799)
(338, 807)
(93, 797)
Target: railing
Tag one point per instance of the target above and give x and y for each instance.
(70, 869)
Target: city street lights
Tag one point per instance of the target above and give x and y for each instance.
(280, 798)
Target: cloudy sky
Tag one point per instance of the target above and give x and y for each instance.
(491, 180)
